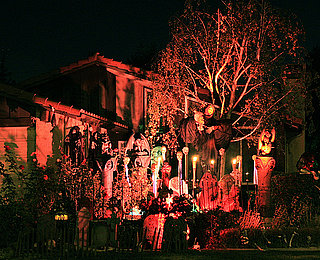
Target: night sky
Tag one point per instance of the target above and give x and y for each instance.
(40, 36)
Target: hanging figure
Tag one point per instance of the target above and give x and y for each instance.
(95, 149)
(208, 149)
(74, 145)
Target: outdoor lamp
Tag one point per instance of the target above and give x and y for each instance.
(61, 216)
(247, 176)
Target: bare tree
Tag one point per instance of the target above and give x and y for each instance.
(233, 58)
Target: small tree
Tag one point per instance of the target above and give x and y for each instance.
(233, 58)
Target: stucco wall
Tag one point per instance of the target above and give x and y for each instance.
(16, 137)
(129, 98)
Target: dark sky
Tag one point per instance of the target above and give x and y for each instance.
(42, 35)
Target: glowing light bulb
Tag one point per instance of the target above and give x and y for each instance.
(234, 161)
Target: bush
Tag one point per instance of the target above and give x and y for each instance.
(295, 199)
(208, 228)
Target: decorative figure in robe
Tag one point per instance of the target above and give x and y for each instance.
(209, 144)
(191, 129)
(139, 150)
(74, 145)
(207, 134)
(265, 141)
(207, 199)
(308, 165)
(218, 134)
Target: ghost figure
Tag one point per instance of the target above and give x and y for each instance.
(107, 176)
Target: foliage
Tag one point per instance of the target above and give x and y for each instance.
(133, 192)
(29, 194)
(250, 220)
(209, 227)
(12, 214)
(312, 101)
(181, 206)
(296, 200)
(234, 58)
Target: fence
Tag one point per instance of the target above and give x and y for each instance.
(64, 241)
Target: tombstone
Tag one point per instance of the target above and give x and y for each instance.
(207, 199)
(229, 194)
(153, 227)
(84, 217)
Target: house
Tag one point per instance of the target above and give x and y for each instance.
(103, 93)
(102, 86)
(33, 124)
(95, 92)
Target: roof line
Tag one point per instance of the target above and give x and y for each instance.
(106, 61)
(48, 104)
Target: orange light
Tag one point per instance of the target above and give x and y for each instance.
(234, 161)
(209, 110)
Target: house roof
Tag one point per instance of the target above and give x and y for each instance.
(111, 65)
(16, 93)
(108, 63)
(34, 100)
